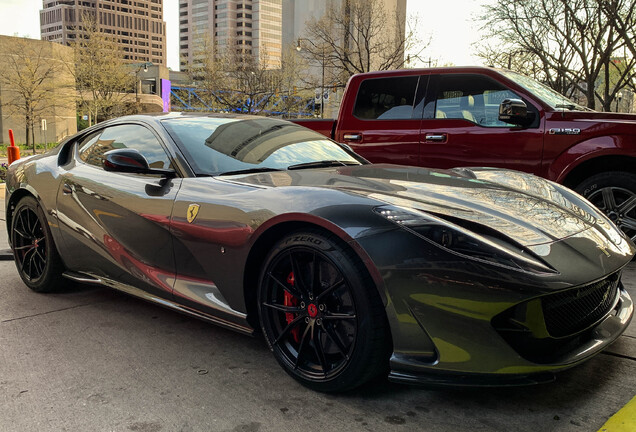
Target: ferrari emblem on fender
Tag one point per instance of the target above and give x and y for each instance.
(193, 211)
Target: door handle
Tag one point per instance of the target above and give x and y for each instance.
(353, 137)
(436, 137)
(67, 189)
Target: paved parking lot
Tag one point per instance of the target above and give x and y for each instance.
(91, 359)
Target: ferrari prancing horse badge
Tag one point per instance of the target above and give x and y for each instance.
(193, 211)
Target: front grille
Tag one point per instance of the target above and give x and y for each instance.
(570, 311)
(546, 328)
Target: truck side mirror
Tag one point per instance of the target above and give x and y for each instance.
(513, 111)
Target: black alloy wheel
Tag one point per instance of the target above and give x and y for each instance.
(320, 315)
(614, 193)
(36, 257)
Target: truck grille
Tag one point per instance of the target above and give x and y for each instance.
(570, 311)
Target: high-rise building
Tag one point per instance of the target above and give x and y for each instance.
(296, 14)
(137, 25)
(248, 26)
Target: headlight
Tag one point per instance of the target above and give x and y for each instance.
(481, 246)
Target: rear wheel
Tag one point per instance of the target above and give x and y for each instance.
(321, 314)
(614, 193)
(36, 257)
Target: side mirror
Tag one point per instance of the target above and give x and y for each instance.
(513, 111)
(131, 161)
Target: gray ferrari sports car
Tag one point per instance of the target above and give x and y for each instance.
(350, 270)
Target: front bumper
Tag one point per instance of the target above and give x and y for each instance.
(442, 370)
(448, 316)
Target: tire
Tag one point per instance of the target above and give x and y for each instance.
(35, 254)
(614, 193)
(320, 313)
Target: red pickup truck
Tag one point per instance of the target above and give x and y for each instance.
(477, 116)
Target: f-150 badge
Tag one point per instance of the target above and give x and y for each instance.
(564, 131)
(193, 211)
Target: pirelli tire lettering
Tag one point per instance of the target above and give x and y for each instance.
(307, 239)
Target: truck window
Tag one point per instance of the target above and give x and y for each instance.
(475, 98)
(387, 99)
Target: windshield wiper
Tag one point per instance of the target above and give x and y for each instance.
(566, 106)
(321, 164)
(249, 171)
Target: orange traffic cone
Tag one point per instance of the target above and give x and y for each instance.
(13, 152)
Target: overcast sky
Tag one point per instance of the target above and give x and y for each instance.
(448, 22)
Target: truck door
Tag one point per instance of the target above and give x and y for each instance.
(460, 126)
(383, 122)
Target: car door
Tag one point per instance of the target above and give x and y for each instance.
(384, 122)
(460, 126)
(117, 224)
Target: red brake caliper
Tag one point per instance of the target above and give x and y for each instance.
(290, 300)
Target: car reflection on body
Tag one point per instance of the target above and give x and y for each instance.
(349, 270)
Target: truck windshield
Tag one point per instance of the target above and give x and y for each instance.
(545, 93)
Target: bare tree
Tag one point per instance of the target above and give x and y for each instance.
(102, 77)
(32, 72)
(359, 36)
(251, 84)
(291, 96)
(623, 14)
(571, 42)
(231, 78)
(206, 70)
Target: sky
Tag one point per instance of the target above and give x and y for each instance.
(448, 23)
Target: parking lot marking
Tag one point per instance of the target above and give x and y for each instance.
(623, 421)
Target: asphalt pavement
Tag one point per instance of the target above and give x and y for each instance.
(92, 359)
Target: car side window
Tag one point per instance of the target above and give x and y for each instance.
(387, 99)
(475, 98)
(93, 147)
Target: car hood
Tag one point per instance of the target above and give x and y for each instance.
(595, 116)
(526, 208)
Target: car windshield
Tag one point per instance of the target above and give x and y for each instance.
(217, 146)
(545, 93)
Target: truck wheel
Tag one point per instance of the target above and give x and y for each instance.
(614, 193)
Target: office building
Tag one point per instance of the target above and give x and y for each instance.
(248, 26)
(137, 25)
(55, 104)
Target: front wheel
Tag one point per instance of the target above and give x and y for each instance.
(614, 193)
(321, 314)
(36, 257)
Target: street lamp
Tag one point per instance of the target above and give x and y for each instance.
(322, 85)
(619, 97)
(415, 56)
(144, 67)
